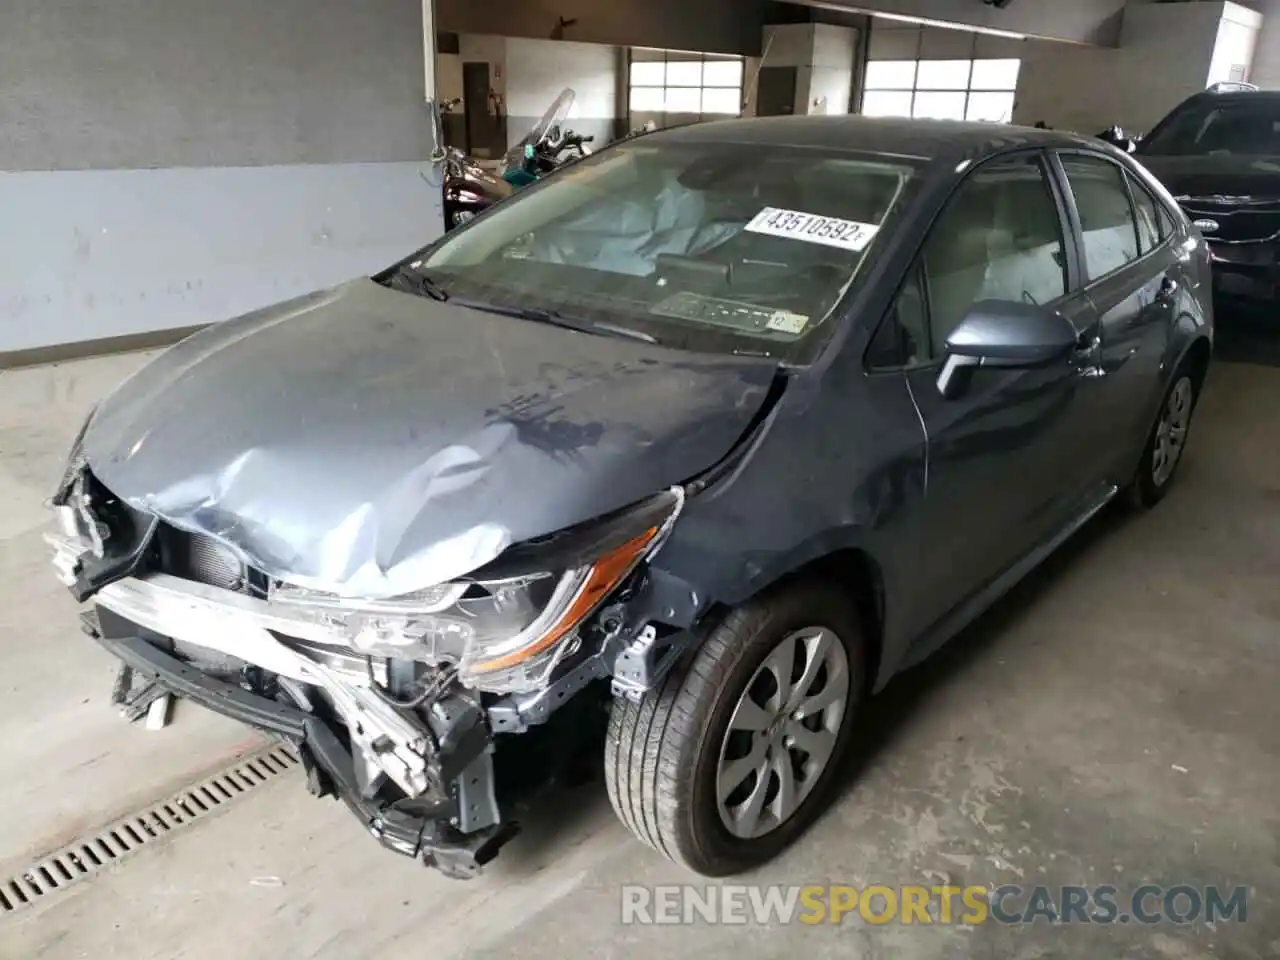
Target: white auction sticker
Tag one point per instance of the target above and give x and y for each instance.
(812, 228)
(784, 321)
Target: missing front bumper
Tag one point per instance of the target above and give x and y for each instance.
(429, 828)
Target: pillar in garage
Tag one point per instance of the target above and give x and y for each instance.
(806, 68)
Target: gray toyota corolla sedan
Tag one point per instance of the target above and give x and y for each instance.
(678, 455)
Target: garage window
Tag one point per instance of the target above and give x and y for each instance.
(942, 89)
(669, 86)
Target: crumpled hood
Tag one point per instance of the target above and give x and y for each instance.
(371, 443)
(1216, 175)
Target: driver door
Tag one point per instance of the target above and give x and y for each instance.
(1008, 453)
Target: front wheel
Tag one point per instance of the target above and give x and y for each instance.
(734, 756)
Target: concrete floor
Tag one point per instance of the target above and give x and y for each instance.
(1113, 721)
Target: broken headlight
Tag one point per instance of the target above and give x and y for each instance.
(74, 464)
(506, 626)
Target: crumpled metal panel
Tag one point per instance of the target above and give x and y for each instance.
(370, 443)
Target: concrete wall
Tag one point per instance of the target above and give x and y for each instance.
(536, 72)
(1265, 71)
(711, 26)
(831, 82)
(824, 56)
(1080, 21)
(166, 163)
(1165, 55)
(791, 45)
(1233, 52)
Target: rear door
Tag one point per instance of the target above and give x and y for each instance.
(1007, 454)
(1133, 275)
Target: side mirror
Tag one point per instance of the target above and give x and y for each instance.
(999, 333)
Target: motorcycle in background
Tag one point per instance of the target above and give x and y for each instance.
(469, 188)
(549, 146)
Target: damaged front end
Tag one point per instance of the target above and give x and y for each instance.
(401, 705)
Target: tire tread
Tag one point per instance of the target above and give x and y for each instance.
(651, 742)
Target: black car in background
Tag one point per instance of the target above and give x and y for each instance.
(1218, 152)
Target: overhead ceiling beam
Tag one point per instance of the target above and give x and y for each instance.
(1094, 22)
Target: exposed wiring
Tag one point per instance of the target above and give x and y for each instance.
(432, 690)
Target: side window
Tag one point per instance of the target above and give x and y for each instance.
(1152, 230)
(999, 238)
(903, 337)
(1165, 218)
(1107, 223)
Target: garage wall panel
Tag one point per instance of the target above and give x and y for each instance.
(86, 84)
(891, 41)
(1265, 70)
(710, 26)
(1233, 54)
(171, 163)
(95, 254)
(1165, 54)
(537, 70)
(831, 82)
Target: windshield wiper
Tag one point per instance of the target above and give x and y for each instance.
(557, 319)
(411, 281)
(623, 331)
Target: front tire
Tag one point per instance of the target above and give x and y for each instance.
(734, 755)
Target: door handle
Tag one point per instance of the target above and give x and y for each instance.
(1088, 352)
(1168, 289)
(1089, 340)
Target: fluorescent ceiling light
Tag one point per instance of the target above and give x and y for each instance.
(949, 25)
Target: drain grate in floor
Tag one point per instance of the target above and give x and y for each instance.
(87, 855)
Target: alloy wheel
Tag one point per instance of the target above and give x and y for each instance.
(1171, 432)
(783, 732)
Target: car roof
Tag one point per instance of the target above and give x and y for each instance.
(1236, 96)
(889, 136)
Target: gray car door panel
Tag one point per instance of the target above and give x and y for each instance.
(1005, 462)
(1135, 301)
(1009, 460)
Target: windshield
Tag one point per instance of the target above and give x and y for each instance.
(707, 246)
(555, 116)
(1246, 127)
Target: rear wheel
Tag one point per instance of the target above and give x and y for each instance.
(735, 754)
(1166, 442)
